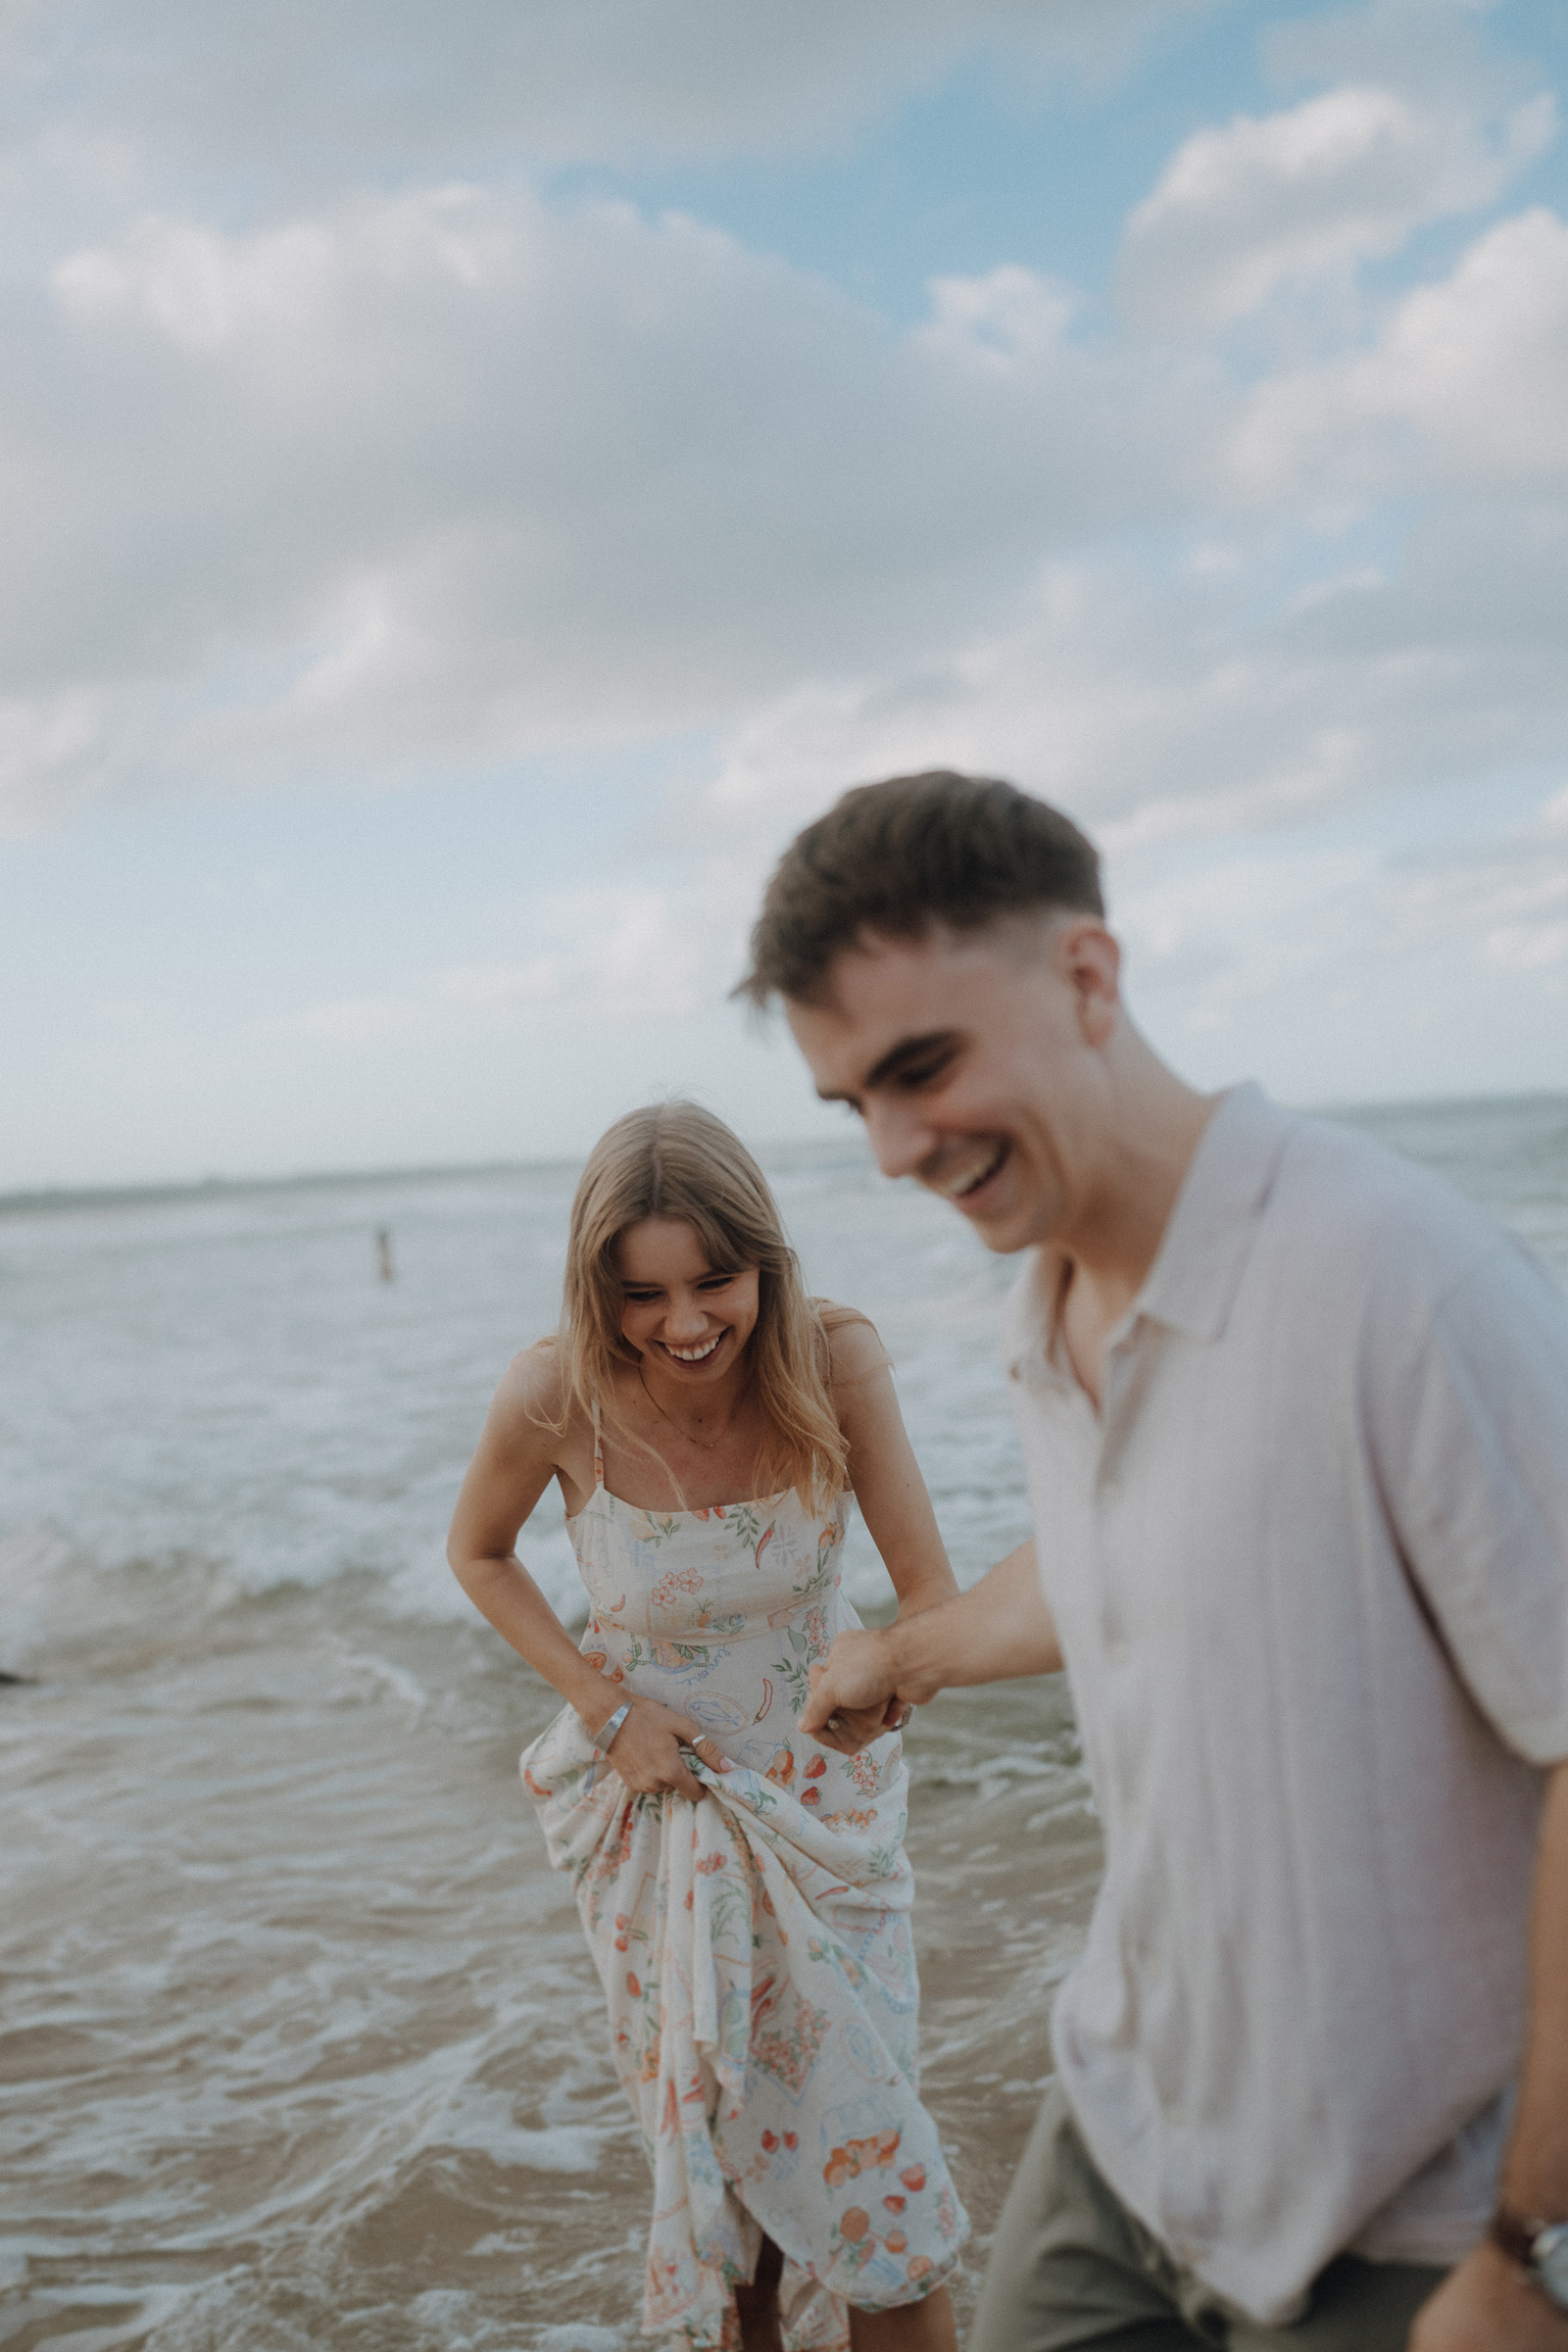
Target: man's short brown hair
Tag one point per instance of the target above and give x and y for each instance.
(898, 857)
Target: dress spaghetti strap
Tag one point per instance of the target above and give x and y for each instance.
(599, 1448)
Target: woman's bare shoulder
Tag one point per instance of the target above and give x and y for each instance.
(854, 1346)
(531, 1395)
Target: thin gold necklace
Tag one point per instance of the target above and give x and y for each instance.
(705, 1444)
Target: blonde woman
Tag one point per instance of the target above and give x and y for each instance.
(744, 1891)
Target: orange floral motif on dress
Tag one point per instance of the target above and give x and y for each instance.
(858, 2156)
(677, 1581)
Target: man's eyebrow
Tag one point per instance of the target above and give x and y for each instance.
(898, 1057)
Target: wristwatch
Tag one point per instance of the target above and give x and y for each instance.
(1541, 2248)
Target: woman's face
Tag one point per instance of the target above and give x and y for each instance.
(688, 1318)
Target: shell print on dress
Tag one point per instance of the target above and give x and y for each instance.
(754, 1948)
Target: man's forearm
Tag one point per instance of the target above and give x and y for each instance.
(1535, 2175)
(1488, 2303)
(999, 1629)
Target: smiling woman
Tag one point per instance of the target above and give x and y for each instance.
(744, 1890)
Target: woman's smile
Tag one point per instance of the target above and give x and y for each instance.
(691, 1355)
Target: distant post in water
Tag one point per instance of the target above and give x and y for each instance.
(383, 1252)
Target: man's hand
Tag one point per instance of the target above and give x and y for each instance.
(835, 1715)
(1489, 2305)
(999, 1628)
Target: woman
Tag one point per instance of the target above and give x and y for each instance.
(744, 1890)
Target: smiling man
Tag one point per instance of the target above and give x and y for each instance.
(1295, 1419)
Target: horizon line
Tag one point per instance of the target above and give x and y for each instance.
(29, 1198)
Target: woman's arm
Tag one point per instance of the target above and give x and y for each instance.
(513, 1463)
(888, 1486)
(894, 1503)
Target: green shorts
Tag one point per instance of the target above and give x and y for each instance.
(1070, 2267)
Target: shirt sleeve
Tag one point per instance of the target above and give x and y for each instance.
(1469, 1409)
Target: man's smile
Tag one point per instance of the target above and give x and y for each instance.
(964, 1181)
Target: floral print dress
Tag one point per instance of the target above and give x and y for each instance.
(754, 1948)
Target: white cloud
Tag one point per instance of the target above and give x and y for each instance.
(1432, 48)
(448, 476)
(1507, 898)
(1270, 203)
(1408, 968)
(1466, 381)
(431, 482)
(304, 96)
(614, 952)
(1158, 706)
(43, 742)
(1226, 938)
(458, 476)
(632, 955)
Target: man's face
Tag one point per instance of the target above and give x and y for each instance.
(977, 1062)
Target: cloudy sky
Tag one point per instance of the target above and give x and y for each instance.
(476, 474)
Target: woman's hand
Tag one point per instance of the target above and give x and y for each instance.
(645, 1752)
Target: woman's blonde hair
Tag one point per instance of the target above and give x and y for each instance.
(675, 1159)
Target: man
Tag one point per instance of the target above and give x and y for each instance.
(1295, 1419)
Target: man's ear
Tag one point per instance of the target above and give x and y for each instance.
(1089, 960)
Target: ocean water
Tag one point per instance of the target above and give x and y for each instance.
(300, 2045)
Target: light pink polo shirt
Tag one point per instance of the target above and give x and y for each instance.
(1309, 1566)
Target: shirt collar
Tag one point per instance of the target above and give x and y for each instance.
(1203, 1252)
(1209, 1234)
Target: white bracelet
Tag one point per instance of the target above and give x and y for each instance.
(607, 1731)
